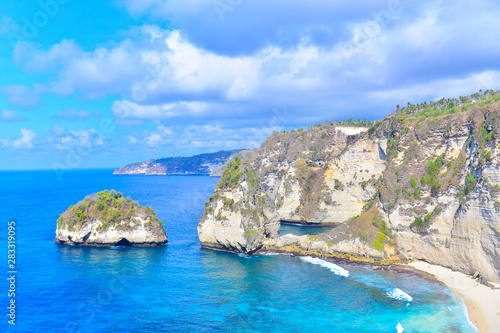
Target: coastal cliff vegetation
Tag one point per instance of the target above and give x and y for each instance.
(108, 218)
(422, 183)
(112, 208)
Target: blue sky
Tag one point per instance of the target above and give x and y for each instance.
(103, 84)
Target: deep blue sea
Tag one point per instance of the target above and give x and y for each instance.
(184, 288)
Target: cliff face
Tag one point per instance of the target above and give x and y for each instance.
(424, 184)
(204, 164)
(109, 219)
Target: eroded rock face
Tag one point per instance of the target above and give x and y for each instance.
(432, 184)
(311, 177)
(109, 219)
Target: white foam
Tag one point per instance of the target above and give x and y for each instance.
(275, 254)
(331, 266)
(400, 328)
(466, 312)
(400, 295)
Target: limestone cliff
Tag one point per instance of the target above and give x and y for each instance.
(109, 219)
(420, 184)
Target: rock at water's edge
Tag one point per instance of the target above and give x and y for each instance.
(106, 219)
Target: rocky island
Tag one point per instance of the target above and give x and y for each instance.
(107, 218)
(423, 183)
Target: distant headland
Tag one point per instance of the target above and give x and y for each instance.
(203, 164)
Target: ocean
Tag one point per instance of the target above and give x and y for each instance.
(182, 287)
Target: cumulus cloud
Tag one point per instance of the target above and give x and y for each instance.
(216, 135)
(332, 61)
(131, 139)
(26, 140)
(8, 115)
(82, 140)
(128, 109)
(23, 96)
(95, 74)
(442, 88)
(154, 140)
(171, 74)
(159, 138)
(280, 22)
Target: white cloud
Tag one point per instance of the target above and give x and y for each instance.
(160, 138)
(164, 131)
(154, 140)
(23, 96)
(443, 88)
(88, 137)
(8, 115)
(127, 109)
(161, 74)
(216, 135)
(96, 74)
(26, 141)
(85, 140)
(131, 139)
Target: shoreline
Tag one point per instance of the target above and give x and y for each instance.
(482, 302)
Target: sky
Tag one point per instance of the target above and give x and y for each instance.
(89, 84)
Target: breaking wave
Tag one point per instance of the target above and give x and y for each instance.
(328, 265)
(399, 295)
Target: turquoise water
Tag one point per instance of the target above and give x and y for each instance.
(184, 288)
(301, 230)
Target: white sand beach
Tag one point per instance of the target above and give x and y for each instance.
(483, 303)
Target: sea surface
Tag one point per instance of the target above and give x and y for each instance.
(182, 287)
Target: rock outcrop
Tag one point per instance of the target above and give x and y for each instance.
(421, 184)
(204, 164)
(107, 218)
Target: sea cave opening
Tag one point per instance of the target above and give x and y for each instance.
(123, 242)
(298, 229)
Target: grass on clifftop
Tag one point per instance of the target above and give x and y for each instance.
(232, 174)
(109, 207)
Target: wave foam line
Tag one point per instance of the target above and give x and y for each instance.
(399, 295)
(328, 265)
(275, 253)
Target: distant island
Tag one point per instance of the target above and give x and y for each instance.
(107, 218)
(203, 164)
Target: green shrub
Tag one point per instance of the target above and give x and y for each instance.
(417, 223)
(338, 185)
(470, 183)
(232, 174)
